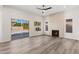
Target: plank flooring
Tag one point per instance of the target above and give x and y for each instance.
(40, 45)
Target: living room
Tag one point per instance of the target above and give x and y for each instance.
(22, 25)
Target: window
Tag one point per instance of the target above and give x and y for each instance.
(46, 27)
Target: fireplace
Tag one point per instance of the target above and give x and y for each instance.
(55, 33)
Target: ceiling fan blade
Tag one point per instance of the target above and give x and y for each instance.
(44, 8)
(39, 8)
(49, 8)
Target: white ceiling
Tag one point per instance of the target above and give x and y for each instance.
(33, 8)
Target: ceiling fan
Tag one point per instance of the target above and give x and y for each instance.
(44, 7)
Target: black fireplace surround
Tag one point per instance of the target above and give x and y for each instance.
(55, 33)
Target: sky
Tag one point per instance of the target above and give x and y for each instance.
(21, 21)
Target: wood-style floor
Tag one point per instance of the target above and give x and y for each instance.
(40, 45)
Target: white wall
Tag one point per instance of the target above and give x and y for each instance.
(9, 12)
(56, 22)
(0, 23)
(74, 15)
